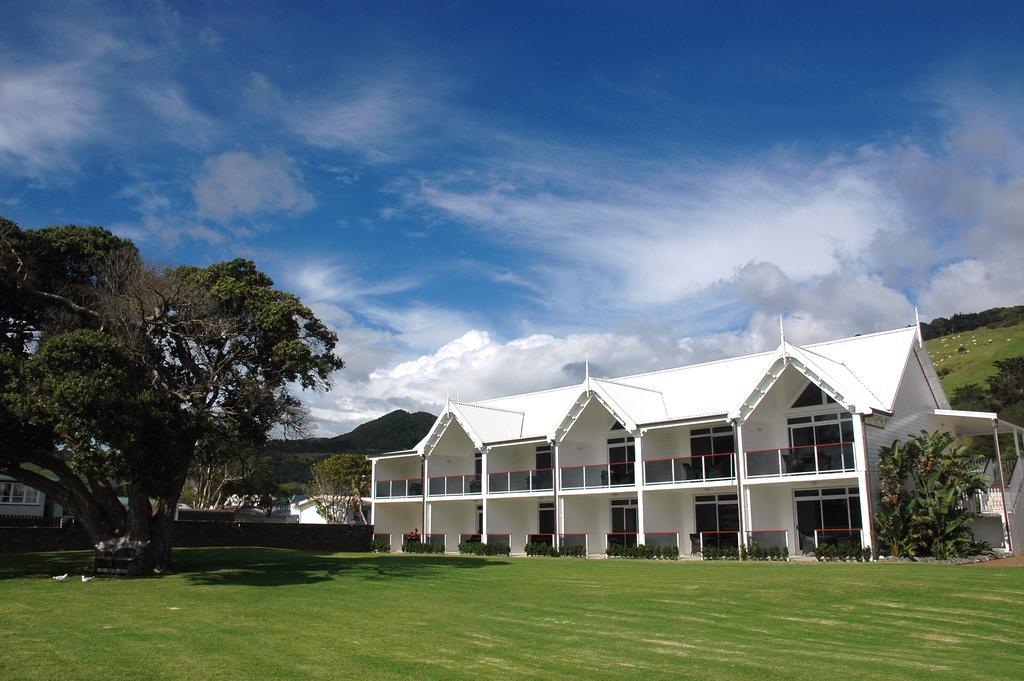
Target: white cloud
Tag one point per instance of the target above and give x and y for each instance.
(237, 183)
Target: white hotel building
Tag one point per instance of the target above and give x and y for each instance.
(777, 448)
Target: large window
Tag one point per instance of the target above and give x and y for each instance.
(17, 493)
(717, 519)
(716, 445)
(812, 396)
(821, 443)
(830, 515)
(624, 522)
(621, 455)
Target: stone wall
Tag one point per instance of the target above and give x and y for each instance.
(327, 538)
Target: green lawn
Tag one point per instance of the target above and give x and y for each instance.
(982, 348)
(264, 613)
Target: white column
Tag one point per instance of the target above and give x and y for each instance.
(484, 488)
(556, 486)
(426, 504)
(373, 490)
(1002, 487)
(638, 471)
(860, 452)
(742, 500)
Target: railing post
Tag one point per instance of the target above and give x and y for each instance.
(703, 468)
(780, 462)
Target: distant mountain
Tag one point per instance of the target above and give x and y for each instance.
(391, 432)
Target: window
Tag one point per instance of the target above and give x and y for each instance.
(543, 459)
(812, 396)
(624, 522)
(820, 443)
(717, 520)
(621, 455)
(827, 515)
(17, 493)
(717, 440)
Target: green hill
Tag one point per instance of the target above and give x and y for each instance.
(980, 348)
(398, 430)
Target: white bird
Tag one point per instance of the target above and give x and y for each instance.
(87, 579)
(60, 578)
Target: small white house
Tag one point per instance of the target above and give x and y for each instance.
(19, 500)
(777, 448)
(305, 511)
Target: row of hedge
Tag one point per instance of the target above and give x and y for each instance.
(540, 549)
(843, 552)
(484, 549)
(719, 553)
(643, 551)
(377, 546)
(765, 553)
(422, 547)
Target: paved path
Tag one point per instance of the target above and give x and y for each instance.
(1015, 561)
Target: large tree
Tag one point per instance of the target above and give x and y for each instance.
(116, 376)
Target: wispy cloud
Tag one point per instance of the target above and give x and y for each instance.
(238, 183)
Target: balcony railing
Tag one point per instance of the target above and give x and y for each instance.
(700, 468)
(721, 539)
(530, 480)
(384, 537)
(470, 538)
(768, 539)
(620, 538)
(394, 489)
(540, 538)
(454, 485)
(835, 457)
(838, 535)
(661, 539)
(575, 539)
(598, 475)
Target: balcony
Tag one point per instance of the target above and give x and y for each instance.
(721, 539)
(620, 539)
(662, 539)
(836, 457)
(599, 475)
(398, 489)
(531, 480)
(454, 485)
(540, 538)
(575, 539)
(683, 469)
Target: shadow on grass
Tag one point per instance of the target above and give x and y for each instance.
(279, 567)
(19, 565)
(251, 566)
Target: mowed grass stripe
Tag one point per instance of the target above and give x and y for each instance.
(258, 613)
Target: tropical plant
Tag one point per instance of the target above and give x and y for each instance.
(923, 485)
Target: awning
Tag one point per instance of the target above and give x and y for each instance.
(962, 423)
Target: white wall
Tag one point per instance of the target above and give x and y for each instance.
(590, 514)
(516, 517)
(771, 508)
(587, 440)
(397, 519)
(394, 468)
(453, 518)
(453, 454)
(512, 458)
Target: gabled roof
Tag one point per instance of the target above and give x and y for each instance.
(863, 373)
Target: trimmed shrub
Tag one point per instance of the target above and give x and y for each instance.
(577, 551)
(719, 553)
(380, 547)
(421, 547)
(482, 549)
(643, 551)
(539, 549)
(842, 552)
(765, 553)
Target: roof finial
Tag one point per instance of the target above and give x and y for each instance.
(447, 395)
(586, 369)
(917, 325)
(782, 336)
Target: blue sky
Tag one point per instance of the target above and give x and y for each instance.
(480, 194)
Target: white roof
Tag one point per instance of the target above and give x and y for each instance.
(864, 370)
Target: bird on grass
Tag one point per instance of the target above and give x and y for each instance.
(60, 578)
(87, 579)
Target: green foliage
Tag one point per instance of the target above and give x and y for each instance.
(339, 483)
(377, 546)
(422, 547)
(764, 553)
(719, 553)
(540, 549)
(642, 551)
(484, 549)
(992, 318)
(574, 551)
(922, 483)
(841, 552)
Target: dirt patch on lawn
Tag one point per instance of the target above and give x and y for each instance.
(1013, 561)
